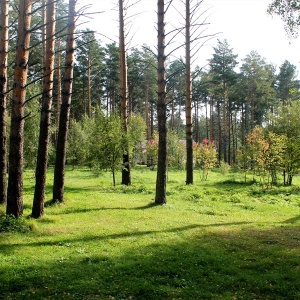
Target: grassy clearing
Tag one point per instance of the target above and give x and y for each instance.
(219, 239)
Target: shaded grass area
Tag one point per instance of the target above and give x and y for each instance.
(219, 239)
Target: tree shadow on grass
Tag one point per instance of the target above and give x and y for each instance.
(292, 220)
(103, 238)
(209, 266)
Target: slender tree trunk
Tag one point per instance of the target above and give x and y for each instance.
(229, 138)
(151, 120)
(15, 176)
(178, 117)
(58, 98)
(161, 179)
(219, 131)
(206, 118)
(124, 94)
(211, 119)
(243, 135)
(188, 99)
(45, 121)
(44, 31)
(148, 136)
(89, 106)
(3, 89)
(196, 118)
(172, 114)
(67, 84)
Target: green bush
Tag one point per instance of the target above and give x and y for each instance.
(11, 224)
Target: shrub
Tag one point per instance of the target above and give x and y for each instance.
(224, 168)
(11, 224)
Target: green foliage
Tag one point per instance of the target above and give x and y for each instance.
(222, 67)
(136, 137)
(77, 143)
(11, 224)
(107, 142)
(287, 85)
(206, 156)
(264, 153)
(31, 128)
(257, 80)
(289, 13)
(286, 122)
(224, 168)
(176, 151)
(152, 151)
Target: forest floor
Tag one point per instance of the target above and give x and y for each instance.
(217, 239)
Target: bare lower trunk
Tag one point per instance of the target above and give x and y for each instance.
(89, 106)
(188, 100)
(45, 121)
(15, 179)
(67, 83)
(161, 179)
(3, 89)
(124, 95)
(58, 98)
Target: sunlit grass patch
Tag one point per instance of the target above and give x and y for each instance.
(219, 239)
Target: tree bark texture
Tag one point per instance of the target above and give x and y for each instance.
(188, 98)
(161, 179)
(58, 97)
(126, 180)
(3, 90)
(45, 121)
(67, 84)
(15, 176)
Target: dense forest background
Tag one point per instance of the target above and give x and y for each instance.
(243, 113)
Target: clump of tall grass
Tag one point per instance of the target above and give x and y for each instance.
(10, 223)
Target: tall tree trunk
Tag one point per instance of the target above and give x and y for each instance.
(196, 118)
(148, 136)
(243, 127)
(89, 106)
(15, 176)
(219, 131)
(206, 118)
(3, 89)
(188, 99)
(45, 121)
(151, 120)
(161, 179)
(58, 98)
(211, 119)
(124, 94)
(44, 31)
(172, 114)
(67, 84)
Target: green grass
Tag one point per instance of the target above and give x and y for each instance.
(219, 239)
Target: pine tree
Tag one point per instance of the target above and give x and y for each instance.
(3, 90)
(45, 120)
(15, 176)
(67, 84)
